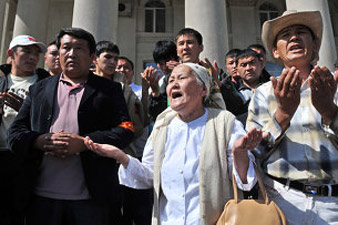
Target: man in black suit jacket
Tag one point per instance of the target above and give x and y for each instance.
(69, 183)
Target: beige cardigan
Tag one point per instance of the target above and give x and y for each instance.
(215, 188)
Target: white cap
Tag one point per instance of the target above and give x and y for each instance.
(25, 40)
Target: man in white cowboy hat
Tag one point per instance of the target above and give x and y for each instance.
(299, 111)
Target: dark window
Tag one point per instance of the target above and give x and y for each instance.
(149, 20)
(154, 16)
(267, 11)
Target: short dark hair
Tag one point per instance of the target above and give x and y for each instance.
(51, 43)
(258, 46)
(232, 53)
(106, 46)
(15, 48)
(128, 60)
(78, 33)
(190, 31)
(165, 50)
(245, 54)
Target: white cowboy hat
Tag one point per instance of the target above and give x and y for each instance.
(271, 28)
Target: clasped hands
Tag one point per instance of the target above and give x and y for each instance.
(60, 144)
(151, 76)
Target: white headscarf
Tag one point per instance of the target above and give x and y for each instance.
(213, 98)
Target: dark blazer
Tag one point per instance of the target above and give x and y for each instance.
(156, 105)
(12, 166)
(102, 109)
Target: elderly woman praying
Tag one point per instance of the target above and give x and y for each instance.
(191, 153)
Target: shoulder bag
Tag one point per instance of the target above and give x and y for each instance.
(251, 211)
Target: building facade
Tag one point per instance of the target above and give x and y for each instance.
(135, 25)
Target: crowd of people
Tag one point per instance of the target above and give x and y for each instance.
(82, 144)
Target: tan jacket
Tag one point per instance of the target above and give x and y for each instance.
(135, 111)
(215, 188)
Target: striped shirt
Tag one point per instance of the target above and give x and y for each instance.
(307, 151)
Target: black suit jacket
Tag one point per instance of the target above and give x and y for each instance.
(102, 109)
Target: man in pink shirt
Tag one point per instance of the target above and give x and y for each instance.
(67, 183)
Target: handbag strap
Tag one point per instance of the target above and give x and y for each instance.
(260, 184)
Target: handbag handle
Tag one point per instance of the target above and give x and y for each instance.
(260, 184)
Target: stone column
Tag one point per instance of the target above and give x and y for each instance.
(32, 18)
(99, 17)
(327, 53)
(2, 14)
(3, 55)
(209, 18)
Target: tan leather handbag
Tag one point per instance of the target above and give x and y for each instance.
(251, 211)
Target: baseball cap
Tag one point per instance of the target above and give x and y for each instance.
(25, 40)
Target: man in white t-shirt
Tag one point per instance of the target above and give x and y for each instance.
(24, 53)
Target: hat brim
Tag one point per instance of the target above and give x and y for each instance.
(41, 45)
(271, 28)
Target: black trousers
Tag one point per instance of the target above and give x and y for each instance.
(11, 172)
(137, 206)
(46, 211)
